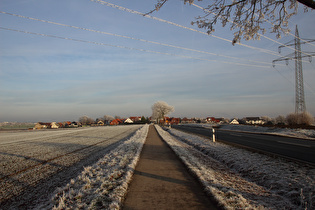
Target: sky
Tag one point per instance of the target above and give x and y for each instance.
(80, 57)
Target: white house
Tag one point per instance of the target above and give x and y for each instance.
(128, 120)
(54, 125)
(234, 122)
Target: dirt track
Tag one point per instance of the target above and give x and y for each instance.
(161, 181)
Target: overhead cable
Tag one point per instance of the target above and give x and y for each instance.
(129, 48)
(180, 26)
(128, 37)
(208, 11)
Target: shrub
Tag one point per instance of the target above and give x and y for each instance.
(292, 119)
(304, 118)
(280, 120)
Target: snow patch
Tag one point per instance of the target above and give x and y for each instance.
(239, 178)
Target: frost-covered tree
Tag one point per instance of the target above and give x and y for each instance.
(117, 117)
(280, 120)
(160, 109)
(246, 17)
(268, 120)
(85, 120)
(292, 119)
(107, 119)
(304, 118)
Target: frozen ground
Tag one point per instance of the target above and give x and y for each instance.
(104, 184)
(34, 163)
(240, 179)
(236, 178)
(298, 133)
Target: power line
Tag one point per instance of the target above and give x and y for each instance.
(180, 26)
(127, 37)
(270, 39)
(283, 76)
(300, 106)
(305, 82)
(125, 47)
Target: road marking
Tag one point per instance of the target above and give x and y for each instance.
(302, 145)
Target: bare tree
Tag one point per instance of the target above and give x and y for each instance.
(247, 16)
(160, 109)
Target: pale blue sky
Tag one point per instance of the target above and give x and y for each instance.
(52, 79)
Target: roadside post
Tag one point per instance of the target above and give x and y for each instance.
(213, 135)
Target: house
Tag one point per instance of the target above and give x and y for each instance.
(135, 119)
(42, 125)
(116, 122)
(174, 121)
(128, 120)
(215, 120)
(234, 122)
(186, 120)
(254, 121)
(76, 124)
(100, 123)
(54, 125)
(67, 124)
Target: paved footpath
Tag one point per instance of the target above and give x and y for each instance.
(161, 181)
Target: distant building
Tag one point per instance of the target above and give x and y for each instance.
(187, 120)
(135, 119)
(234, 122)
(116, 122)
(254, 121)
(42, 125)
(54, 125)
(174, 121)
(100, 123)
(215, 120)
(128, 120)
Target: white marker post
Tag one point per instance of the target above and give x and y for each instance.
(213, 135)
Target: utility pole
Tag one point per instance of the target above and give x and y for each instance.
(297, 56)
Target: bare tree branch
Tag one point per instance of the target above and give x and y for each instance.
(246, 16)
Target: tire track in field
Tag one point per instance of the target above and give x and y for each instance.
(42, 162)
(18, 183)
(50, 135)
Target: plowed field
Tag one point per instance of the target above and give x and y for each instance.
(34, 163)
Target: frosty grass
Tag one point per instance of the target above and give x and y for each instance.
(236, 178)
(104, 184)
(239, 179)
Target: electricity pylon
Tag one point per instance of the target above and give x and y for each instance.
(297, 56)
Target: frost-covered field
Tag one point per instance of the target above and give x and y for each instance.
(102, 185)
(31, 158)
(297, 133)
(240, 179)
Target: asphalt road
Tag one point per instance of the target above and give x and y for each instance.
(293, 148)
